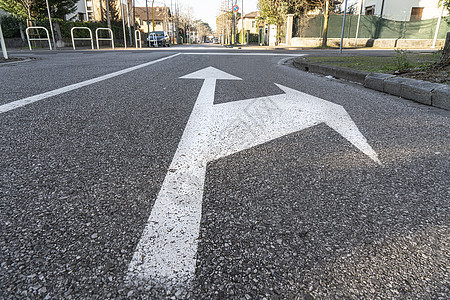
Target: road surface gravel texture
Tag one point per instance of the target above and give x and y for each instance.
(306, 215)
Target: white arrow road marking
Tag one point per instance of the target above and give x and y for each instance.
(272, 117)
(166, 252)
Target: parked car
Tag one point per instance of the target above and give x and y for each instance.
(162, 39)
(215, 40)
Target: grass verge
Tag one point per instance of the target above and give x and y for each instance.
(403, 63)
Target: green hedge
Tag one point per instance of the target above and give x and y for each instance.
(10, 26)
(253, 38)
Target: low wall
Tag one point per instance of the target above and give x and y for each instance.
(365, 42)
(16, 43)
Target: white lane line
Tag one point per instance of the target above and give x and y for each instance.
(22, 102)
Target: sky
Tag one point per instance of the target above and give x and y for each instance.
(206, 10)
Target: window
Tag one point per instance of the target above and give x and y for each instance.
(370, 10)
(253, 24)
(81, 17)
(416, 13)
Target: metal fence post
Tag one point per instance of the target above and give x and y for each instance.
(2, 41)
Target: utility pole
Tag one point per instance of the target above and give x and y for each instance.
(129, 23)
(382, 8)
(242, 21)
(343, 27)
(51, 25)
(177, 34)
(171, 19)
(234, 24)
(123, 25)
(108, 19)
(153, 15)
(134, 16)
(359, 20)
(148, 24)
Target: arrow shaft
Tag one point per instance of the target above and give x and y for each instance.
(166, 252)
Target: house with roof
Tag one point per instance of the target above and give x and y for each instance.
(250, 23)
(161, 16)
(405, 10)
(95, 10)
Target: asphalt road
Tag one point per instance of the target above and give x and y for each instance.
(302, 215)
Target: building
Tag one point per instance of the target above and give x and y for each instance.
(95, 10)
(81, 12)
(250, 23)
(161, 15)
(405, 10)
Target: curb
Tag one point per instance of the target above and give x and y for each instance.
(433, 94)
(15, 62)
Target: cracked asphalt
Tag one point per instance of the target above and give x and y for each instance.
(304, 216)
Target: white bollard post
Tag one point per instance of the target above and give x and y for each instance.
(2, 41)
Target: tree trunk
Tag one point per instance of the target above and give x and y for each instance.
(445, 57)
(325, 24)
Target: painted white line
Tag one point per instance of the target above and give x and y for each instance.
(243, 54)
(20, 103)
(165, 255)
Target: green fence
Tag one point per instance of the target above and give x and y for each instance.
(370, 27)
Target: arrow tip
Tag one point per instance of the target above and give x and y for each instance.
(210, 73)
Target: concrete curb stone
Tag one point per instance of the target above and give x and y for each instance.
(418, 90)
(441, 97)
(393, 85)
(424, 92)
(338, 72)
(375, 81)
